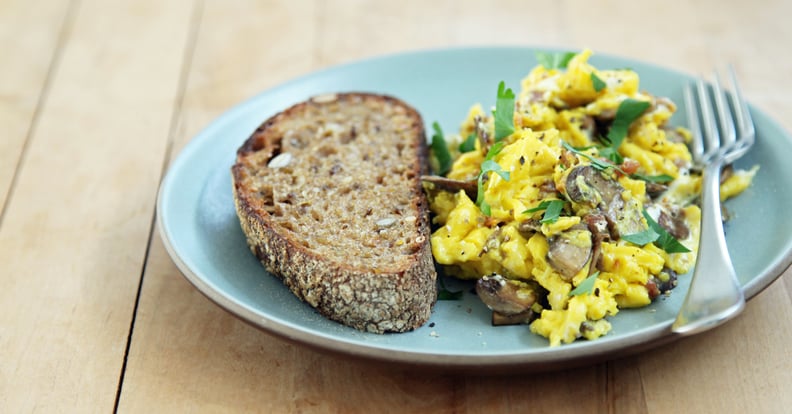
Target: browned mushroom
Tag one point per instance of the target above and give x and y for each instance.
(499, 319)
(598, 226)
(588, 186)
(510, 301)
(663, 283)
(447, 184)
(529, 227)
(655, 190)
(674, 223)
(506, 297)
(569, 251)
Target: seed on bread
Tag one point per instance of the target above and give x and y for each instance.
(281, 160)
(325, 191)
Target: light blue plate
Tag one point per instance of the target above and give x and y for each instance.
(201, 232)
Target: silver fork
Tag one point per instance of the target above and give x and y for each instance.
(719, 138)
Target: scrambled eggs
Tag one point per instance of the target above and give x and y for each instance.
(572, 222)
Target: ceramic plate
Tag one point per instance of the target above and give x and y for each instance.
(201, 232)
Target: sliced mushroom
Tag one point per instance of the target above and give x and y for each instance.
(674, 223)
(670, 281)
(529, 227)
(625, 217)
(585, 185)
(655, 190)
(569, 251)
(482, 133)
(447, 184)
(656, 285)
(506, 297)
(598, 226)
(499, 319)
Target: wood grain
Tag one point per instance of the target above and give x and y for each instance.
(30, 32)
(74, 237)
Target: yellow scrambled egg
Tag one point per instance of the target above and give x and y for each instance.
(512, 238)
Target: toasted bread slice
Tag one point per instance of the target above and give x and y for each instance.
(328, 194)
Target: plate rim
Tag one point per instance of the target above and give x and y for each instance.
(549, 358)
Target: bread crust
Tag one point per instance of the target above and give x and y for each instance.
(396, 298)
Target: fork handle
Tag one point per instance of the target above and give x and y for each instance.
(715, 294)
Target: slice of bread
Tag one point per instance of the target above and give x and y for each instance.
(328, 194)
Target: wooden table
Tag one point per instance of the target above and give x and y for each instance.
(96, 97)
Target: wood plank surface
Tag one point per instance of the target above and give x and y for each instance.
(74, 237)
(30, 32)
(101, 96)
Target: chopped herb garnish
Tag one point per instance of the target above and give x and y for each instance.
(641, 238)
(661, 179)
(542, 206)
(489, 165)
(665, 240)
(440, 150)
(629, 110)
(485, 208)
(612, 154)
(586, 286)
(444, 294)
(554, 60)
(486, 167)
(469, 144)
(599, 164)
(504, 112)
(598, 83)
(552, 210)
(494, 150)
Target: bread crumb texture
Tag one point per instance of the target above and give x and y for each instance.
(328, 194)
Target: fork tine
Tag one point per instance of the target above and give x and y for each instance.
(697, 145)
(728, 134)
(742, 115)
(711, 135)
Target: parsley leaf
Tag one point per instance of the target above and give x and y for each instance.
(552, 210)
(612, 154)
(542, 206)
(504, 112)
(485, 208)
(665, 240)
(494, 150)
(440, 150)
(489, 165)
(642, 238)
(586, 286)
(629, 110)
(554, 60)
(598, 83)
(597, 163)
(662, 178)
(486, 167)
(444, 294)
(469, 144)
